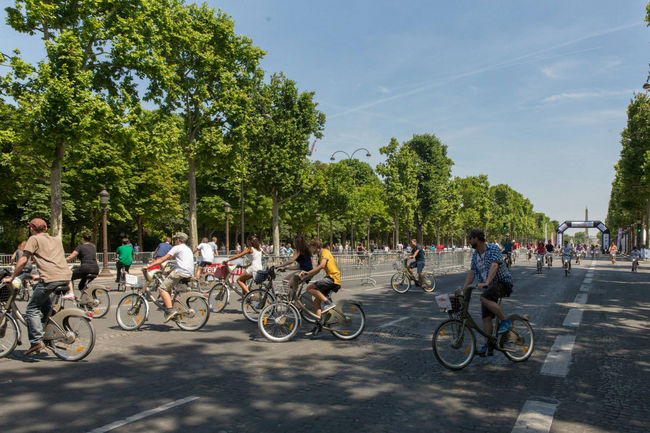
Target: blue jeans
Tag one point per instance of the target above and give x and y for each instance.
(39, 305)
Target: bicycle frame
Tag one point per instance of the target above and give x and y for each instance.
(324, 318)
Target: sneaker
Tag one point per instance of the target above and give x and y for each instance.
(505, 325)
(327, 305)
(35, 348)
(485, 350)
(170, 315)
(68, 297)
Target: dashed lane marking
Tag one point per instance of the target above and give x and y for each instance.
(558, 359)
(535, 417)
(581, 298)
(573, 318)
(393, 322)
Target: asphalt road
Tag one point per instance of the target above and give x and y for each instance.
(228, 378)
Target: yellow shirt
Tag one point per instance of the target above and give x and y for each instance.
(331, 269)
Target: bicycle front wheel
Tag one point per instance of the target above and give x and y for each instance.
(352, 325)
(519, 342)
(132, 311)
(254, 302)
(454, 344)
(79, 340)
(279, 322)
(400, 282)
(8, 335)
(218, 297)
(307, 301)
(102, 302)
(197, 315)
(429, 282)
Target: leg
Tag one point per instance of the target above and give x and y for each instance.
(118, 267)
(242, 283)
(487, 326)
(319, 298)
(38, 305)
(420, 267)
(493, 307)
(199, 269)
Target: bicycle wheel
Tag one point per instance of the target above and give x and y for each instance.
(79, 340)
(429, 282)
(218, 297)
(102, 302)
(307, 301)
(8, 335)
(453, 346)
(354, 324)
(254, 302)
(400, 282)
(198, 315)
(132, 311)
(206, 281)
(279, 322)
(519, 342)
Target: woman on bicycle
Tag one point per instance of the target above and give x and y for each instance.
(302, 257)
(254, 251)
(87, 254)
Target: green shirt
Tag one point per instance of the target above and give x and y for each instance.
(125, 254)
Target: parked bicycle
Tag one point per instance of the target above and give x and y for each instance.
(133, 309)
(454, 342)
(402, 279)
(280, 321)
(68, 333)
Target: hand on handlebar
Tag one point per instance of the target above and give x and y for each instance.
(6, 280)
(481, 285)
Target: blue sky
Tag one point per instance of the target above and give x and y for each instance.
(531, 93)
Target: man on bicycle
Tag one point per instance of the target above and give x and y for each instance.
(549, 253)
(322, 288)
(567, 252)
(507, 248)
(494, 280)
(47, 252)
(184, 258)
(206, 258)
(420, 260)
(635, 255)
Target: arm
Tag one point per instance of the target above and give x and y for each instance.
(292, 260)
(470, 277)
(236, 256)
(317, 269)
(160, 260)
(72, 256)
(491, 273)
(19, 267)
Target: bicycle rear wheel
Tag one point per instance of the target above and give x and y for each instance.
(519, 342)
(218, 297)
(197, 316)
(400, 282)
(354, 324)
(279, 322)
(79, 341)
(103, 301)
(429, 282)
(8, 335)
(254, 302)
(454, 345)
(206, 281)
(131, 312)
(307, 301)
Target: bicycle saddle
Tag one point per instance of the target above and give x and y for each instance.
(90, 277)
(61, 287)
(185, 280)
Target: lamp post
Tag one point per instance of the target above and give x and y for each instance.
(318, 226)
(103, 201)
(226, 209)
(368, 232)
(394, 241)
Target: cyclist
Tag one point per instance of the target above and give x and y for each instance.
(207, 256)
(549, 253)
(567, 252)
(419, 262)
(125, 256)
(53, 270)
(27, 269)
(254, 251)
(579, 250)
(184, 258)
(163, 248)
(494, 280)
(302, 257)
(612, 252)
(507, 248)
(87, 254)
(321, 289)
(635, 255)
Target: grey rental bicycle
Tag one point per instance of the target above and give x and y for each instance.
(402, 280)
(219, 294)
(454, 343)
(93, 298)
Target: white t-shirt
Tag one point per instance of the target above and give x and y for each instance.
(207, 252)
(184, 259)
(566, 251)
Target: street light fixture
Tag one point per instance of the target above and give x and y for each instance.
(368, 232)
(646, 86)
(226, 209)
(318, 226)
(103, 201)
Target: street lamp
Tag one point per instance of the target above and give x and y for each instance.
(226, 209)
(368, 232)
(646, 86)
(103, 201)
(318, 226)
(394, 233)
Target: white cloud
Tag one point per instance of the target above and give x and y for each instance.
(383, 89)
(577, 96)
(594, 117)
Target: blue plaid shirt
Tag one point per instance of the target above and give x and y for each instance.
(481, 265)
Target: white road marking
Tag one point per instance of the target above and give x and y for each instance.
(584, 288)
(535, 417)
(587, 280)
(573, 318)
(393, 322)
(558, 359)
(145, 414)
(581, 298)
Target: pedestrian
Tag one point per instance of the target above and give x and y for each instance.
(125, 256)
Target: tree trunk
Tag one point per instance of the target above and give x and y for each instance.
(331, 234)
(191, 177)
(419, 226)
(56, 201)
(73, 236)
(276, 224)
(139, 220)
(438, 234)
(396, 231)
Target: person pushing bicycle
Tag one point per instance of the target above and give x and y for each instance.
(419, 262)
(495, 281)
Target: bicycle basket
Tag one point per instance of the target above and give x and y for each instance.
(5, 292)
(220, 271)
(260, 276)
(448, 302)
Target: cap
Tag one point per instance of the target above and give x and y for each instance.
(38, 224)
(182, 236)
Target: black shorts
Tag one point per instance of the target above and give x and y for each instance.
(493, 292)
(204, 264)
(326, 286)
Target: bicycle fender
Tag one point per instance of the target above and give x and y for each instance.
(54, 328)
(525, 317)
(183, 298)
(350, 301)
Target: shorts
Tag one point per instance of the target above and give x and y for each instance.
(172, 279)
(203, 264)
(493, 292)
(326, 286)
(416, 264)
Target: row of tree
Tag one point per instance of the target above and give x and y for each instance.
(162, 104)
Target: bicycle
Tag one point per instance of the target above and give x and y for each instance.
(219, 294)
(25, 289)
(280, 321)
(507, 259)
(454, 342)
(94, 299)
(549, 260)
(401, 280)
(133, 309)
(635, 264)
(68, 333)
(540, 263)
(566, 265)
